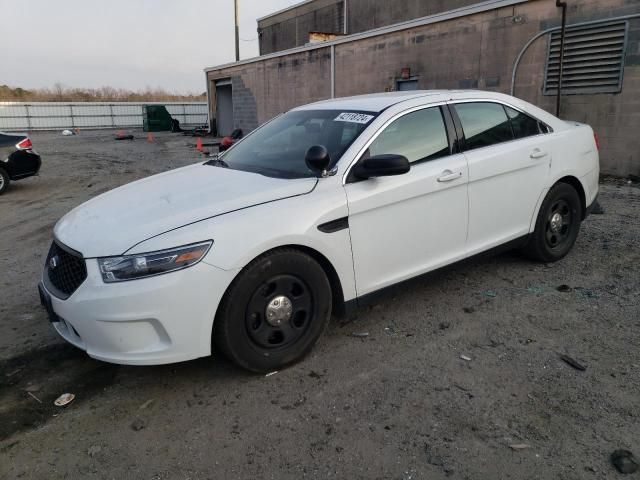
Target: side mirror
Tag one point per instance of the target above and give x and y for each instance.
(317, 159)
(381, 166)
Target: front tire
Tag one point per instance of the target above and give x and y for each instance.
(4, 181)
(274, 311)
(557, 225)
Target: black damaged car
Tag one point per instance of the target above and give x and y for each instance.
(18, 160)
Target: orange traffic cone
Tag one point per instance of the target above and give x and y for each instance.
(199, 144)
(150, 138)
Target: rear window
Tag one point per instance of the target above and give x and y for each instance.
(523, 125)
(484, 124)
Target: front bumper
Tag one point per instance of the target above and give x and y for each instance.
(149, 321)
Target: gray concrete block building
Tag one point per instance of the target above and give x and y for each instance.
(511, 46)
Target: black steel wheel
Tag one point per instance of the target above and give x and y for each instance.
(274, 311)
(279, 312)
(557, 225)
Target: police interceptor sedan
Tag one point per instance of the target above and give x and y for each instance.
(317, 211)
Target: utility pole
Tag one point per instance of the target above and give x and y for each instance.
(235, 7)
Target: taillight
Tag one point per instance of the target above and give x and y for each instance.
(595, 137)
(24, 144)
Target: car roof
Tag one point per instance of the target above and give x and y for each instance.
(377, 102)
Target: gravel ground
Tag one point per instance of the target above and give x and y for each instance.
(398, 403)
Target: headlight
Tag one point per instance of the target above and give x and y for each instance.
(130, 267)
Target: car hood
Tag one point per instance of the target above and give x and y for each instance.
(112, 223)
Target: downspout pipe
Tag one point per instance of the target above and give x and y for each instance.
(345, 14)
(563, 32)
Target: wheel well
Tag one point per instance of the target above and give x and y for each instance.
(575, 183)
(337, 294)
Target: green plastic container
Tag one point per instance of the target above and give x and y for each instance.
(155, 118)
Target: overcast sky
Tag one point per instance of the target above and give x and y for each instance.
(123, 43)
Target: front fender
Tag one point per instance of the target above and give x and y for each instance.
(241, 236)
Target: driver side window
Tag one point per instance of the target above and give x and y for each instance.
(418, 136)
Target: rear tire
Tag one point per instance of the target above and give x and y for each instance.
(557, 225)
(274, 311)
(4, 181)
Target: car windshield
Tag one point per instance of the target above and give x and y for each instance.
(277, 149)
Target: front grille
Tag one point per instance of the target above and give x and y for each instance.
(66, 270)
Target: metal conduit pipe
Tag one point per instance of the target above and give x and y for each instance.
(563, 6)
(516, 64)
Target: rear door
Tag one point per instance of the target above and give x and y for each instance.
(405, 225)
(508, 171)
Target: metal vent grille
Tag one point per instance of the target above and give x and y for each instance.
(593, 59)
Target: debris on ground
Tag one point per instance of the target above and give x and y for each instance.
(14, 372)
(227, 142)
(585, 292)
(536, 290)
(34, 397)
(518, 446)
(465, 358)
(64, 399)
(138, 424)
(573, 362)
(94, 450)
(597, 209)
(468, 309)
(564, 288)
(67, 133)
(360, 334)
(490, 293)
(624, 461)
(146, 404)
(271, 373)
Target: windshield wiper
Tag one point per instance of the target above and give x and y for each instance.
(217, 162)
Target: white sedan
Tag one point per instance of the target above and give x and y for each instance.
(317, 211)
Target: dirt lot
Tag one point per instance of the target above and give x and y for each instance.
(399, 403)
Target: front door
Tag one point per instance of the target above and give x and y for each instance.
(408, 224)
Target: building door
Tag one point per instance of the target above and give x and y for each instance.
(224, 107)
(405, 85)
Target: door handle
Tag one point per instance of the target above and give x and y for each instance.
(537, 153)
(448, 176)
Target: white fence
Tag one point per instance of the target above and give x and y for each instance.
(27, 116)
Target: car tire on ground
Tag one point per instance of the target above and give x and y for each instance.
(274, 311)
(557, 225)
(4, 181)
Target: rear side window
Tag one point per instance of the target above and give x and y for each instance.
(484, 124)
(418, 136)
(523, 125)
